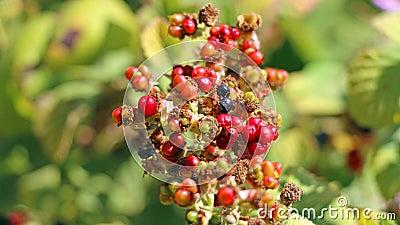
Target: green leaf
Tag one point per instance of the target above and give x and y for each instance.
(58, 114)
(155, 37)
(369, 196)
(318, 89)
(32, 43)
(371, 218)
(127, 194)
(373, 87)
(389, 24)
(295, 147)
(318, 193)
(49, 177)
(110, 24)
(297, 220)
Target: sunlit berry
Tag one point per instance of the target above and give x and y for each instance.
(189, 25)
(117, 116)
(191, 160)
(130, 71)
(183, 197)
(226, 196)
(147, 105)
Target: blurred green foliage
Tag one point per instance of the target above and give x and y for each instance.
(61, 64)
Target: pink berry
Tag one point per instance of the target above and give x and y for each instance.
(226, 196)
(147, 105)
(169, 149)
(205, 84)
(130, 71)
(117, 116)
(177, 70)
(224, 120)
(140, 83)
(199, 71)
(256, 56)
(266, 134)
(191, 160)
(250, 133)
(189, 25)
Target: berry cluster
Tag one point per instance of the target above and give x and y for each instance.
(224, 34)
(139, 77)
(267, 174)
(207, 134)
(276, 77)
(182, 24)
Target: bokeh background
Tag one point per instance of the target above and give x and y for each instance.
(62, 160)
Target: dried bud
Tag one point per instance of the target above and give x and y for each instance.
(256, 221)
(209, 15)
(290, 193)
(249, 22)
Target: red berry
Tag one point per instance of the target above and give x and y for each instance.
(257, 148)
(189, 92)
(176, 19)
(214, 41)
(210, 149)
(222, 141)
(191, 160)
(175, 31)
(276, 211)
(171, 158)
(147, 105)
(17, 218)
(226, 196)
(224, 120)
(173, 124)
(255, 121)
(270, 182)
(215, 31)
(235, 34)
(183, 197)
(267, 168)
(275, 131)
(278, 167)
(117, 116)
(177, 70)
(225, 33)
(207, 50)
(354, 161)
(199, 71)
(256, 56)
(189, 25)
(229, 44)
(190, 185)
(247, 44)
(266, 134)
(250, 133)
(205, 84)
(165, 199)
(177, 139)
(188, 70)
(130, 71)
(179, 82)
(169, 149)
(232, 134)
(140, 83)
(237, 123)
(211, 74)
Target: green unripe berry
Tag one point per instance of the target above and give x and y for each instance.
(192, 216)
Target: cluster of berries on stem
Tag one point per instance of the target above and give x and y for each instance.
(208, 133)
